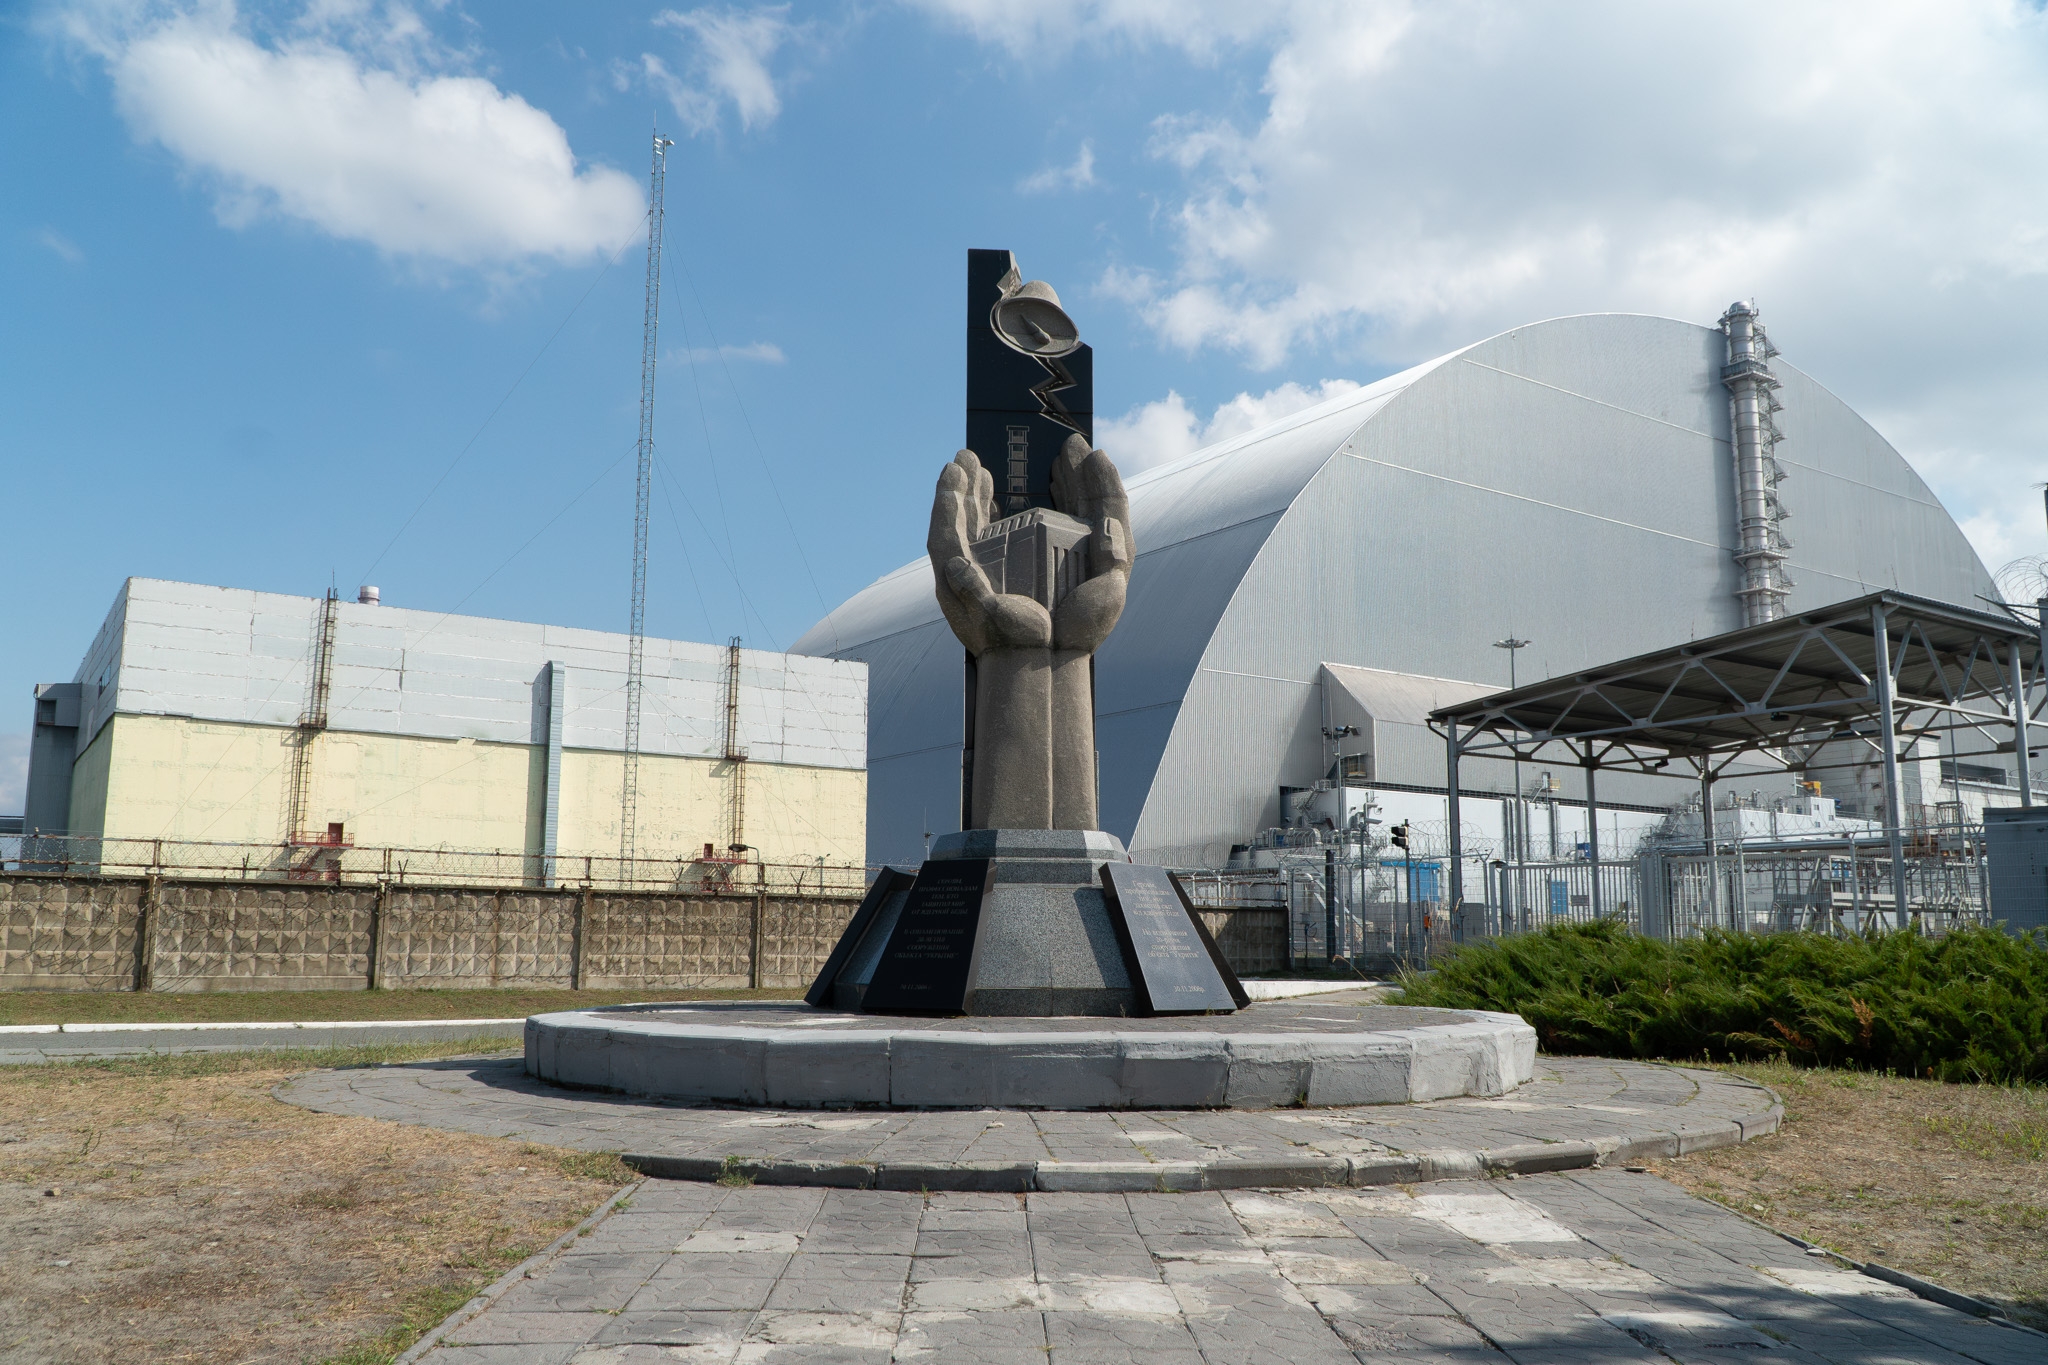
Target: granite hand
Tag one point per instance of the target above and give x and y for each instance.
(1085, 485)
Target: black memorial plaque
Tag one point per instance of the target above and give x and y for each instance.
(1174, 963)
(930, 957)
(886, 884)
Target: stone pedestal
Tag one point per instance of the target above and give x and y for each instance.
(1046, 944)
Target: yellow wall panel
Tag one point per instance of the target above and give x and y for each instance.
(151, 777)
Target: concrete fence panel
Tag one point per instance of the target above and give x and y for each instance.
(243, 936)
(463, 938)
(119, 933)
(68, 933)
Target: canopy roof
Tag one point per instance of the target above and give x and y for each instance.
(1774, 693)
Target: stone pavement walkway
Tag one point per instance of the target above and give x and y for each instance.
(1570, 1269)
(1578, 1112)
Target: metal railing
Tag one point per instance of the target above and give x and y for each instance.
(1828, 884)
(1839, 885)
(310, 861)
(1373, 925)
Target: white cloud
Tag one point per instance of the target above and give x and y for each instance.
(1417, 176)
(345, 120)
(1163, 431)
(729, 53)
(763, 352)
(1045, 28)
(66, 250)
(1077, 176)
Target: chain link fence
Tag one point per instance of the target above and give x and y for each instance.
(345, 864)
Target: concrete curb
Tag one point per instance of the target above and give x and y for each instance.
(498, 1288)
(1926, 1289)
(1947, 1298)
(1136, 1177)
(934, 1067)
(1289, 990)
(30, 1043)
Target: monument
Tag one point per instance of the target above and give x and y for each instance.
(1029, 918)
(1013, 915)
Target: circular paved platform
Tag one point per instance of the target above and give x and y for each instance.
(1332, 1050)
(1577, 1112)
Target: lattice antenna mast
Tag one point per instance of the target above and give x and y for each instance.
(735, 756)
(636, 648)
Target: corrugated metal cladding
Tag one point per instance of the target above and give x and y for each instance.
(1568, 482)
(227, 654)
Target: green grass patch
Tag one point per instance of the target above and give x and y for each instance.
(604, 1166)
(1971, 1006)
(2024, 1138)
(426, 1308)
(246, 1007)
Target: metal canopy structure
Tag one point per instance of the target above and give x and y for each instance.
(1879, 672)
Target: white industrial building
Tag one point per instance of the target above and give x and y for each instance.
(1306, 594)
(220, 715)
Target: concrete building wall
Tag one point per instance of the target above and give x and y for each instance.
(438, 731)
(227, 654)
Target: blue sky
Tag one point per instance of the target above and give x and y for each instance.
(348, 291)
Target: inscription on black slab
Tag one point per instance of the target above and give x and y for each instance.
(886, 884)
(930, 957)
(1175, 967)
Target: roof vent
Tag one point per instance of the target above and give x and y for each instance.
(367, 595)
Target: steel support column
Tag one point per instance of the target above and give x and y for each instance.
(1593, 828)
(1707, 836)
(1456, 892)
(1888, 735)
(2018, 678)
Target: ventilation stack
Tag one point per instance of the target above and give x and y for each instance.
(1761, 547)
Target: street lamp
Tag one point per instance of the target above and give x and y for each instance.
(1514, 647)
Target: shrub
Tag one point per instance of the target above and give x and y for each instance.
(1970, 1006)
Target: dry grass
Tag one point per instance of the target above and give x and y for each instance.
(170, 1210)
(229, 1007)
(1949, 1182)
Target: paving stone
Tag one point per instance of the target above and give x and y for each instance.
(822, 1338)
(1259, 1320)
(512, 1328)
(997, 1337)
(555, 1354)
(1390, 1343)
(627, 1232)
(704, 1329)
(841, 1283)
(572, 1283)
(961, 1254)
(710, 1281)
(866, 1221)
(1119, 1339)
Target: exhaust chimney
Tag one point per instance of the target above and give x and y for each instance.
(1761, 547)
(367, 595)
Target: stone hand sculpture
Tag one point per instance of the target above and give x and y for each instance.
(1032, 596)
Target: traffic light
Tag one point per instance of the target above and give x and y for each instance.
(1399, 834)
